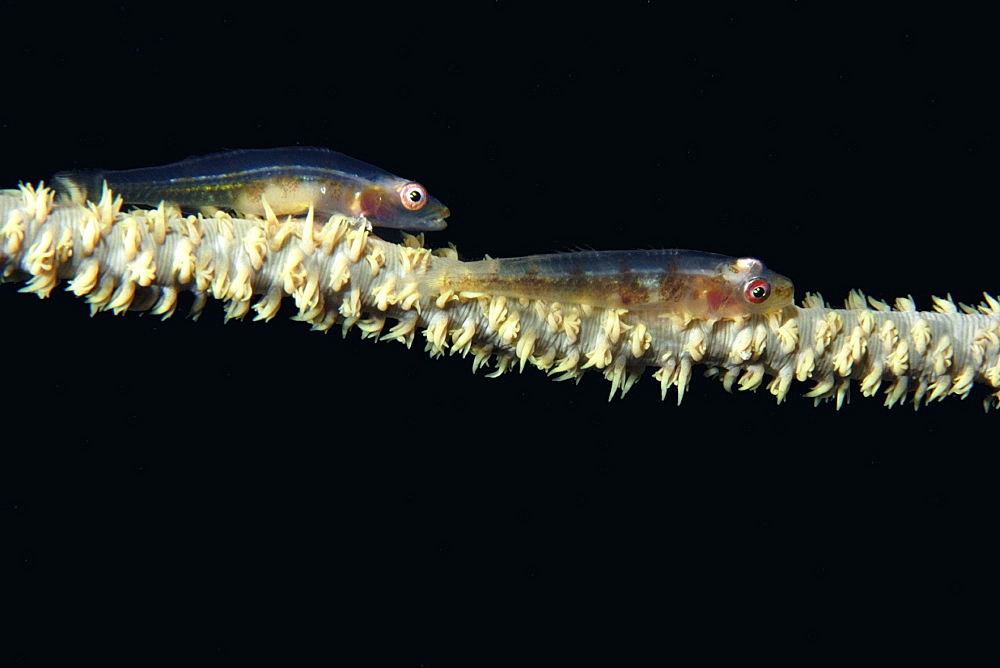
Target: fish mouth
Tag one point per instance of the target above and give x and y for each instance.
(785, 289)
(437, 222)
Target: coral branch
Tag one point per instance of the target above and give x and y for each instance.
(337, 272)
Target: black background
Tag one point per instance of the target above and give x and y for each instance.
(258, 491)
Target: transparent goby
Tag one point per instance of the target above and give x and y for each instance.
(289, 179)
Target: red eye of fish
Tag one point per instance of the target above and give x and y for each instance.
(413, 196)
(757, 290)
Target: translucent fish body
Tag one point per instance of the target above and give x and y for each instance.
(290, 179)
(680, 282)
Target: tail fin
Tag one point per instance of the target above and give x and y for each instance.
(79, 186)
(478, 277)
